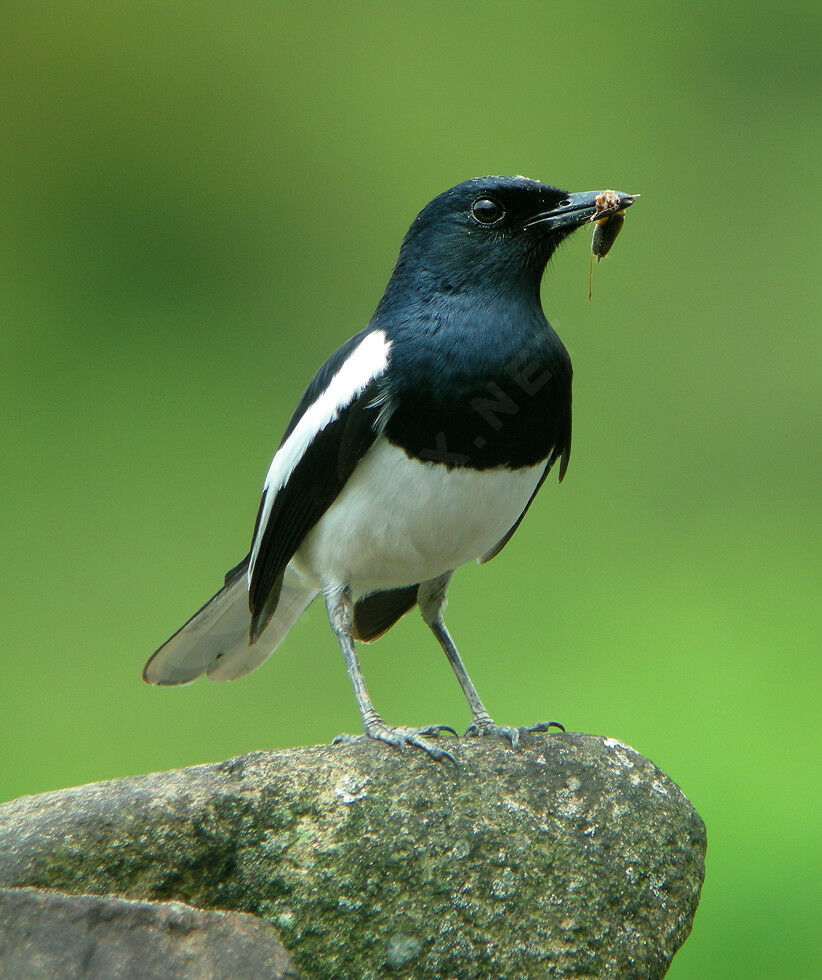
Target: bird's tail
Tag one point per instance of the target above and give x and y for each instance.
(215, 640)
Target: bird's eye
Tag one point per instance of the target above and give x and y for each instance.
(487, 211)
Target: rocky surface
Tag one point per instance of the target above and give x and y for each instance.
(571, 857)
(47, 934)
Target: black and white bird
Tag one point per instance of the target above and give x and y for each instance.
(419, 446)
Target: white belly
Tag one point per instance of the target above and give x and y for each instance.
(399, 521)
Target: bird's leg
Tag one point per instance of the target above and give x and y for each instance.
(341, 616)
(431, 599)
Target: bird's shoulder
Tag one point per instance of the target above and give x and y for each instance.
(337, 419)
(331, 368)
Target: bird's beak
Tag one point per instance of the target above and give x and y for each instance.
(576, 209)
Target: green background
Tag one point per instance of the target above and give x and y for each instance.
(198, 203)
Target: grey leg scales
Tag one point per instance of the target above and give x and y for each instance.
(341, 616)
(431, 599)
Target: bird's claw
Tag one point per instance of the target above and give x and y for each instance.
(345, 739)
(543, 726)
(481, 726)
(433, 731)
(400, 737)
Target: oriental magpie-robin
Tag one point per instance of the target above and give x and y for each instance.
(419, 445)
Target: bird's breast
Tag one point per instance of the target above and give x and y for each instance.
(510, 413)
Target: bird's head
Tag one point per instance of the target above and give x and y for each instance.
(492, 233)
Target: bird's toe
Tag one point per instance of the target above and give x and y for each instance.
(434, 731)
(345, 739)
(481, 726)
(400, 737)
(414, 737)
(542, 726)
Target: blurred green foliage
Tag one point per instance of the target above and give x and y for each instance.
(199, 202)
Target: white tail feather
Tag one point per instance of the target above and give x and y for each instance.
(215, 639)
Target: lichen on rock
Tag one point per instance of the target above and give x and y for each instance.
(573, 856)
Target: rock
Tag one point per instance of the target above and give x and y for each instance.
(573, 856)
(50, 934)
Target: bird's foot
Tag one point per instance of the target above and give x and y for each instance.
(543, 726)
(400, 736)
(487, 726)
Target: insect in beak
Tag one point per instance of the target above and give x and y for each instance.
(608, 221)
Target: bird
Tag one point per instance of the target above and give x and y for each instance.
(419, 446)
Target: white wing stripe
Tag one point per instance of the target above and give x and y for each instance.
(365, 363)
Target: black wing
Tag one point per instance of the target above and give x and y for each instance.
(314, 483)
